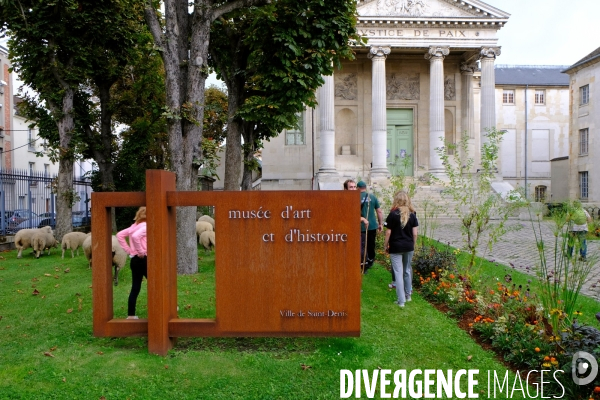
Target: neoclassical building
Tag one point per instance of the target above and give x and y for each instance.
(425, 76)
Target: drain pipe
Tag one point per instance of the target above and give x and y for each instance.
(526, 117)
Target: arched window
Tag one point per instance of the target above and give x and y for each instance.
(540, 193)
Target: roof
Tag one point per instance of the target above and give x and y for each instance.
(534, 75)
(591, 58)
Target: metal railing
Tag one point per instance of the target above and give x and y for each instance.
(28, 200)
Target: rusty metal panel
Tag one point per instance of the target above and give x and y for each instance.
(287, 263)
(162, 261)
(102, 279)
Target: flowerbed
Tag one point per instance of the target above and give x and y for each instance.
(508, 318)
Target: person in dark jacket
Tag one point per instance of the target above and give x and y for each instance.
(400, 239)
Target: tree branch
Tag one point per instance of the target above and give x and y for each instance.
(154, 25)
(234, 5)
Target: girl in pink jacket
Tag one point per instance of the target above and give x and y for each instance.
(137, 250)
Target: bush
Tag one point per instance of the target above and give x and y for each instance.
(430, 260)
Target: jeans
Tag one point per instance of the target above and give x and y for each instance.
(578, 236)
(139, 270)
(403, 271)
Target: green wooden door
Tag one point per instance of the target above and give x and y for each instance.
(400, 159)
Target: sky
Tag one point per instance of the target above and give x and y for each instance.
(548, 32)
(544, 32)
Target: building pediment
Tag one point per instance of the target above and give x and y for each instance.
(434, 9)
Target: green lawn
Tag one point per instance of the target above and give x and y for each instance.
(47, 350)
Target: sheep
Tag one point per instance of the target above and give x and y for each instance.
(207, 238)
(119, 256)
(207, 219)
(23, 238)
(72, 241)
(202, 226)
(41, 240)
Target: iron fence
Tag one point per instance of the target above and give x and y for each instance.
(28, 200)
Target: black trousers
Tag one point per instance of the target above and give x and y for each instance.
(139, 270)
(370, 238)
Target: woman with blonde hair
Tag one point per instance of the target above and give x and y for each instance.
(137, 250)
(400, 240)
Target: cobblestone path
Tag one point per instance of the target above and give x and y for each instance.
(518, 247)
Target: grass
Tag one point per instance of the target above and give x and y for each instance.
(47, 350)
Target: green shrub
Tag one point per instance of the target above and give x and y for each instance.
(428, 260)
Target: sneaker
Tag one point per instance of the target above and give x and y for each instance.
(408, 298)
(401, 305)
(392, 285)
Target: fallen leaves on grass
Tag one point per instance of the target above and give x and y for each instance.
(48, 354)
(69, 311)
(35, 292)
(53, 348)
(469, 358)
(67, 270)
(100, 353)
(304, 366)
(34, 280)
(64, 379)
(57, 285)
(166, 367)
(47, 274)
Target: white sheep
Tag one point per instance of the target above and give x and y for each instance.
(207, 219)
(42, 240)
(119, 257)
(207, 238)
(72, 241)
(23, 238)
(202, 226)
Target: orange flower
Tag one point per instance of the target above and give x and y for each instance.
(546, 358)
(451, 276)
(491, 292)
(537, 349)
(597, 389)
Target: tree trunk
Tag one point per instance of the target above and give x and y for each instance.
(249, 149)
(103, 153)
(65, 198)
(185, 73)
(235, 130)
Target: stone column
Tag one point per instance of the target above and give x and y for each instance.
(468, 102)
(327, 127)
(437, 127)
(378, 54)
(488, 89)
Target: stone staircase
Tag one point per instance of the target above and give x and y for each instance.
(430, 199)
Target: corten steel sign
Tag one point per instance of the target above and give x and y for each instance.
(287, 263)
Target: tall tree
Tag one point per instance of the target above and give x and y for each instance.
(272, 59)
(45, 49)
(183, 40)
(110, 36)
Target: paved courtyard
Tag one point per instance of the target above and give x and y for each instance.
(518, 248)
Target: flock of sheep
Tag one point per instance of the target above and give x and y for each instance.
(41, 239)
